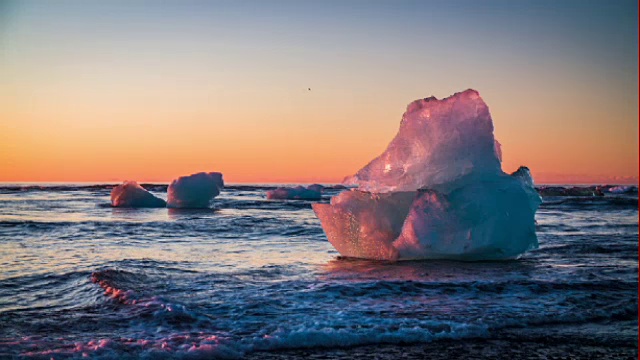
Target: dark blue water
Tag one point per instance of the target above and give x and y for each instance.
(79, 278)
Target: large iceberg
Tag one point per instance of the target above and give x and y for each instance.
(130, 194)
(437, 192)
(194, 191)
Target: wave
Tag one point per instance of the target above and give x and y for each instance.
(149, 186)
(34, 293)
(158, 325)
(211, 345)
(613, 202)
(57, 188)
(112, 229)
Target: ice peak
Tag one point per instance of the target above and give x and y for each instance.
(438, 142)
(468, 94)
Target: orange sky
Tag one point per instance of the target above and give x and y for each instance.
(90, 95)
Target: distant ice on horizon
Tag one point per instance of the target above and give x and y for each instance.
(311, 192)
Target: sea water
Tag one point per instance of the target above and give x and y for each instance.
(80, 278)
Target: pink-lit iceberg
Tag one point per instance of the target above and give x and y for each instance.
(130, 194)
(621, 189)
(194, 191)
(437, 192)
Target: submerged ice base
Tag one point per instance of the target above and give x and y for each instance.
(437, 192)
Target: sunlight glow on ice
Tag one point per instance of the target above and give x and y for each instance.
(437, 192)
(130, 194)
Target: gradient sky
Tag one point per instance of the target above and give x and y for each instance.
(148, 91)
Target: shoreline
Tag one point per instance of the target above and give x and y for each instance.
(463, 349)
(580, 341)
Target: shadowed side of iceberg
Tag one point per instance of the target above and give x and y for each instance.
(194, 191)
(490, 220)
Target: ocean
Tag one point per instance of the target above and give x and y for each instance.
(255, 278)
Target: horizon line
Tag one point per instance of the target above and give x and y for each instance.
(636, 183)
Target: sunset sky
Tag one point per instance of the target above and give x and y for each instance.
(148, 91)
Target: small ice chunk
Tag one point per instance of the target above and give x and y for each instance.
(130, 194)
(194, 191)
(295, 193)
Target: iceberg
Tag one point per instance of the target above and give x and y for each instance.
(316, 187)
(436, 192)
(195, 191)
(130, 194)
(621, 189)
(313, 192)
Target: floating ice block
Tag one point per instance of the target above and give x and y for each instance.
(130, 194)
(194, 191)
(436, 192)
